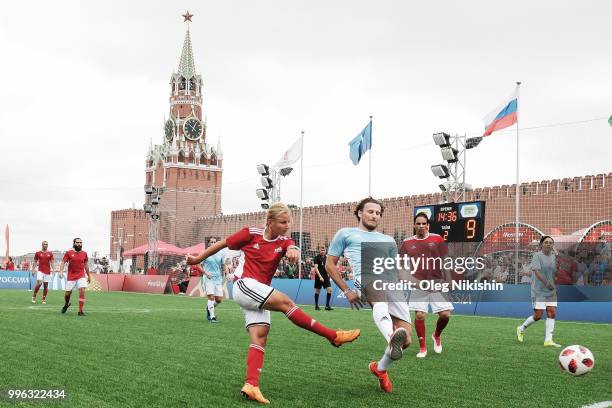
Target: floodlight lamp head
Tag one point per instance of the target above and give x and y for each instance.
(263, 169)
(440, 170)
(262, 194)
(285, 171)
(449, 154)
(148, 189)
(472, 142)
(265, 206)
(441, 139)
(147, 208)
(266, 182)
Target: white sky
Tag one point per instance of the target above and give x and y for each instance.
(85, 87)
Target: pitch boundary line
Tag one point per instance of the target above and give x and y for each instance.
(602, 404)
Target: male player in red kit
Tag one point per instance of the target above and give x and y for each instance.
(44, 260)
(428, 250)
(77, 267)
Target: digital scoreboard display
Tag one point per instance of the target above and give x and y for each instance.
(456, 222)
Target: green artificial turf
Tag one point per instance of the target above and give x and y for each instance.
(140, 350)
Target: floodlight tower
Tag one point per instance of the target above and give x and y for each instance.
(151, 208)
(453, 150)
(270, 181)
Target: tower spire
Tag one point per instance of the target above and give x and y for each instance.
(186, 64)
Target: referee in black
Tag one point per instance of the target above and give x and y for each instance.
(321, 280)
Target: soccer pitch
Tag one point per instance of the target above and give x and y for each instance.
(137, 350)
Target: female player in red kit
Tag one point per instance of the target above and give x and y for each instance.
(262, 250)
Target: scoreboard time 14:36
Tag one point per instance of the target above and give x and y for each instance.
(456, 222)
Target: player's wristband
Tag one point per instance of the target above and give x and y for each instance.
(294, 247)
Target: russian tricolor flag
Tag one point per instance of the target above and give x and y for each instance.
(503, 116)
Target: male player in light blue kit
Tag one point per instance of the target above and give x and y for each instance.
(212, 280)
(391, 318)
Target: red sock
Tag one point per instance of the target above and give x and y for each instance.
(36, 289)
(45, 291)
(254, 364)
(81, 302)
(299, 318)
(440, 325)
(419, 326)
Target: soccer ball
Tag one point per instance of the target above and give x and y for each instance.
(576, 360)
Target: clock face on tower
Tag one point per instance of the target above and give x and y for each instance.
(169, 130)
(192, 129)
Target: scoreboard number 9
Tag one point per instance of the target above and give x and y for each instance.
(456, 222)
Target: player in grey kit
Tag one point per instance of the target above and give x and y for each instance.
(543, 291)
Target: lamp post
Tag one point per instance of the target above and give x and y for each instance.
(151, 208)
(270, 181)
(453, 150)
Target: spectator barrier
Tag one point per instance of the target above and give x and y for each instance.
(584, 303)
(14, 280)
(598, 308)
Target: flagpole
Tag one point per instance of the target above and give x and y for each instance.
(6, 237)
(517, 200)
(370, 162)
(301, 203)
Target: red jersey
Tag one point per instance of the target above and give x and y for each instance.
(44, 259)
(10, 266)
(260, 257)
(426, 254)
(566, 268)
(76, 264)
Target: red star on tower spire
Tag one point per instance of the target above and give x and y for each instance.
(187, 16)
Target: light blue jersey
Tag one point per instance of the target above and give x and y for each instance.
(214, 265)
(547, 265)
(347, 243)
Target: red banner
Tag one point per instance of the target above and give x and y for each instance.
(107, 282)
(600, 233)
(147, 284)
(115, 281)
(503, 238)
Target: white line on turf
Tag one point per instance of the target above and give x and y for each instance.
(95, 309)
(603, 404)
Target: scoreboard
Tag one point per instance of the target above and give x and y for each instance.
(456, 222)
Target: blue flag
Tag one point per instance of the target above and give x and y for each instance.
(361, 144)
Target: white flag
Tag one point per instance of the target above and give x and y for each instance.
(290, 156)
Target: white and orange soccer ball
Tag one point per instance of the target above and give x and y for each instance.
(576, 360)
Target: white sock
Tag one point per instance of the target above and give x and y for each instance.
(527, 323)
(550, 328)
(211, 308)
(385, 361)
(380, 313)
